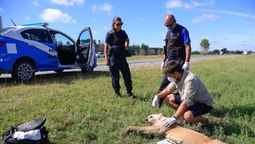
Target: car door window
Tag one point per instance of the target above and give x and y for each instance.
(65, 47)
(85, 39)
(37, 35)
(61, 40)
(84, 43)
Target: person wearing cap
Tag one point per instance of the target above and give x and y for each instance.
(116, 43)
(192, 99)
(177, 47)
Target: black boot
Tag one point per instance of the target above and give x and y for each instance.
(130, 94)
(117, 94)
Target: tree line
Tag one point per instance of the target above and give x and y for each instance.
(205, 45)
(133, 49)
(144, 49)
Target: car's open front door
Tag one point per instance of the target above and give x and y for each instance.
(85, 47)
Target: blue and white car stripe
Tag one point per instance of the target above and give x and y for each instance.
(42, 47)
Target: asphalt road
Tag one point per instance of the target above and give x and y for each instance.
(141, 63)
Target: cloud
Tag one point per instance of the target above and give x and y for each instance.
(105, 7)
(174, 4)
(27, 18)
(35, 2)
(171, 4)
(56, 16)
(1, 9)
(67, 2)
(240, 14)
(204, 17)
(106, 28)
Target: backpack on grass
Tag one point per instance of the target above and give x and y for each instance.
(32, 132)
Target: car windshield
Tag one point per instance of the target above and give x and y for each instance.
(7, 30)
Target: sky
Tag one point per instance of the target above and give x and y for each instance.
(225, 23)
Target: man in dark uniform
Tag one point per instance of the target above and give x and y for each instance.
(116, 43)
(177, 47)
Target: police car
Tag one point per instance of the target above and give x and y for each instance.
(27, 49)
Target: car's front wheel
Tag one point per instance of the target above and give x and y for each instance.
(23, 71)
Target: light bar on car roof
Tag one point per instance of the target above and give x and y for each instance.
(37, 24)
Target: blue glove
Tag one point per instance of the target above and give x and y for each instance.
(170, 122)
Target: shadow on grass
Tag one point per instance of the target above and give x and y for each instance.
(230, 127)
(65, 77)
(144, 99)
(235, 111)
(139, 97)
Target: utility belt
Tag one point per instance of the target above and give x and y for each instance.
(116, 50)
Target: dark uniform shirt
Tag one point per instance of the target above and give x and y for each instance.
(116, 41)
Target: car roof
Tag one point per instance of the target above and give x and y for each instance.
(11, 29)
(14, 28)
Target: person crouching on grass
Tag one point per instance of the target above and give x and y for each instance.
(192, 99)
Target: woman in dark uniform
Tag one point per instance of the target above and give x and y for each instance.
(116, 43)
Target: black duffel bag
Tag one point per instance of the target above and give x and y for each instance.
(32, 132)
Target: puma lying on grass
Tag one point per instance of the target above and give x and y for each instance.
(177, 133)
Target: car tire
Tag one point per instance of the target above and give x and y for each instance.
(23, 71)
(88, 69)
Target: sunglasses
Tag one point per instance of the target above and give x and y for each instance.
(169, 25)
(119, 24)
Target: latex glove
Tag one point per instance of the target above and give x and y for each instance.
(162, 65)
(186, 66)
(155, 101)
(170, 121)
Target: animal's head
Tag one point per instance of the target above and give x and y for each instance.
(153, 118)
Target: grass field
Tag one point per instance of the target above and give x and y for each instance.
(148, 57)
(137, 58)
(82, 108)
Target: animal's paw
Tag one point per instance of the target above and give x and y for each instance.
(129, 129)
